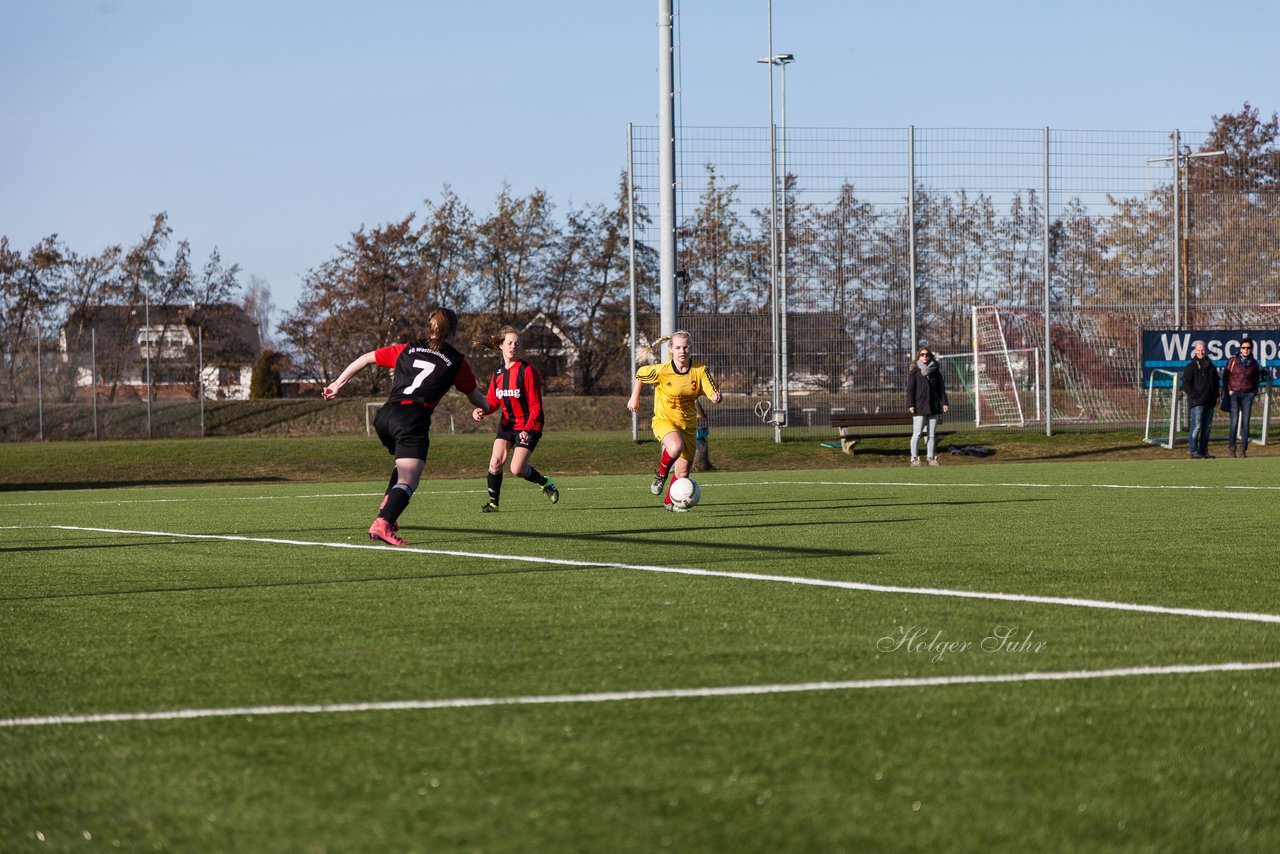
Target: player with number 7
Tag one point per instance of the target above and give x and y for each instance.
(423, 372)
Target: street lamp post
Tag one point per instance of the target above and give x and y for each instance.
(784, 59)
(778, 289)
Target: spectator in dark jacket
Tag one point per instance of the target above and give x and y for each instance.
(1200, 384)
(1239, 384)
(926, 400)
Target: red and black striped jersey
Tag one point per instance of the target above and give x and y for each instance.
(518, 391)
(424, 374)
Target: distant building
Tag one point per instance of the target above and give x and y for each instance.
(211, 347)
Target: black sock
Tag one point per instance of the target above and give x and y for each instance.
(397, 501)
(395, 478)
(495, 486)
(532, 475)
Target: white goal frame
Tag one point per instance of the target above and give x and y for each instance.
(1264, 391)
(1173, 408)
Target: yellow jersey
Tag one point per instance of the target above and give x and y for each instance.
(675, 393)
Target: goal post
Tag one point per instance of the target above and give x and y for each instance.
(1158, 404)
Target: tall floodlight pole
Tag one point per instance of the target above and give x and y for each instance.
(784, 59)
(778, 246)
(775, 412)
(666, 169)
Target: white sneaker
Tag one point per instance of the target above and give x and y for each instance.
(933, 461)
(915, 461)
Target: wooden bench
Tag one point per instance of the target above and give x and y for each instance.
(854, 427)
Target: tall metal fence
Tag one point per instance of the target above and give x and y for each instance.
(1056, 245)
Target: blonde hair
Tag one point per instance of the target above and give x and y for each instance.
(494, 342)
(442, 322)
(644, 355)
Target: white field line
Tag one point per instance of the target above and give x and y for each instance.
(743, 576)
(627, 696)
(713, 486)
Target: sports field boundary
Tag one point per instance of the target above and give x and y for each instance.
(658, 694)
(1027, 598)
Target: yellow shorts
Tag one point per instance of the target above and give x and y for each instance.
(688, 440)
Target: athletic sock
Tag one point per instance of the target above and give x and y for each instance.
(535, 477)
(391, 484)
(397, 501)
(665, 465)
(495, 486)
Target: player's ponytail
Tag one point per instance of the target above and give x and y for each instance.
(644, 355)
(442, 322)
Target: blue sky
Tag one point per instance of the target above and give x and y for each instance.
(275, 129)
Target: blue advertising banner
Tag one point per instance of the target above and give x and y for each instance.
(1170, 349)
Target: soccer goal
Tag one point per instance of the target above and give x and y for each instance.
(1165, 414)
(1005, 381)
(1162, 408)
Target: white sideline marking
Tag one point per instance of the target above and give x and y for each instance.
(719, 485)
(744, 576)
(625, 696)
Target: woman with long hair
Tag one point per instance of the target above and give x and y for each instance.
(423, 372)
(926, 400)
(516, 389)
(677, 385)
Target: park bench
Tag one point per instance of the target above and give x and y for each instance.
(855, 427)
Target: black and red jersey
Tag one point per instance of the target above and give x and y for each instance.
(424, 374)
(518, 391)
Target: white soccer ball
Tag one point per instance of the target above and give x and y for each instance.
(685, 492)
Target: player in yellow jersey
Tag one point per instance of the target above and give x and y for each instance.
(677, 385)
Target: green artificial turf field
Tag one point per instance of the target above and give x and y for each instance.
(1024, 657)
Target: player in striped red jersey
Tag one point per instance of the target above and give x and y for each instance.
(516, 389)
(424, 371)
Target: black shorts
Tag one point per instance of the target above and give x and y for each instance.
(513, 436)
(405, 430)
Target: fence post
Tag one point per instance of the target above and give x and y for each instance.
(1048, 341)
(200, 374)
(977, 377)
(39, 385)
(1178, 308)
(93, 371)
(631, 266)
(911, 237)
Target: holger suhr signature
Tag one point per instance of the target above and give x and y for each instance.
(922, 640)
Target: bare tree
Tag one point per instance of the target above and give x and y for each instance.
(28, 290)
(257, 303)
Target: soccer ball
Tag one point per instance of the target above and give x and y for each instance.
(685, 492)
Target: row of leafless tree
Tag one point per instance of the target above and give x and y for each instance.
(845, 256)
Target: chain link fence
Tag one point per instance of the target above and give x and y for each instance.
(944, 237)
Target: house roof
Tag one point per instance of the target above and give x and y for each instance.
(228, 331)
